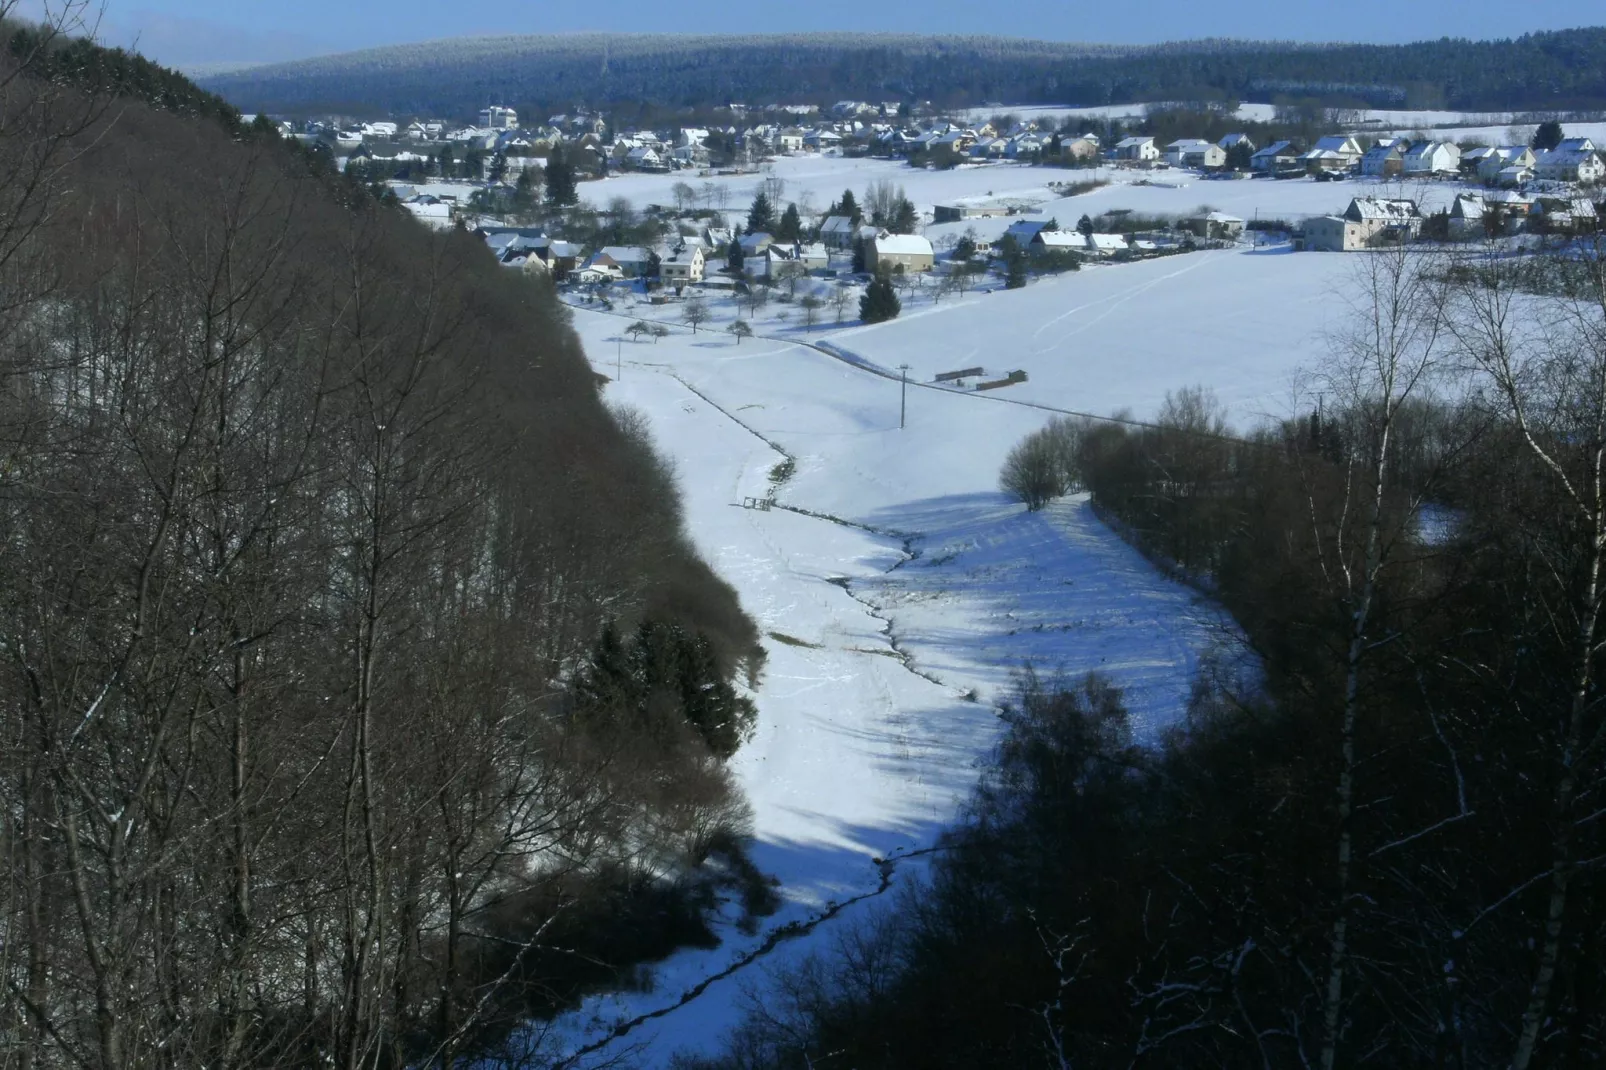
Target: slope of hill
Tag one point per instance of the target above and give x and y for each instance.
(362, 691)
(456, 76)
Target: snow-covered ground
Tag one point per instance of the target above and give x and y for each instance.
(896, 614)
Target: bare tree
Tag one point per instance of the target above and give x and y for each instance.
(1544, 369)
(739, 330)
(811, 306)
(1386, 359)
(695, 312)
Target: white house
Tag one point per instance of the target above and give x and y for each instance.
(496, 118)
(1366, 223)
(1384, 159)
(1203, 156)
(1432, 158)
(682, 267)
(837, 232)
(1496, 160)
(1137, 148)
(1174, 151)
(1335, 152)
(1574, 160)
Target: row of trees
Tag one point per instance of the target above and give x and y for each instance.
(321, 742)
(1376, 839)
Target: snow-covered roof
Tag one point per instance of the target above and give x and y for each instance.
(903, 245)
(1106, 242)
(1389, 209)
(1276, 148)
(1133, 142)
(1339, 143)
(837, 224)
(625, 254)
(684, 255)
(1059, 239)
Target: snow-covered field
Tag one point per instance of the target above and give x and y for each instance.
(898, 613)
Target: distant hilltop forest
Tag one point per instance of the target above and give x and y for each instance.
(1535, 72)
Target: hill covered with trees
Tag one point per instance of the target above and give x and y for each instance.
(361, 694)
(1553, 70)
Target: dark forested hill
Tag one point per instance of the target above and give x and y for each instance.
(362, 694)
(1563, 69)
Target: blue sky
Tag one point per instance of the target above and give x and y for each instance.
(188, 32)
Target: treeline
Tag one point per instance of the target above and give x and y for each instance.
(361, 695)
(540, 75)
(1383, 846)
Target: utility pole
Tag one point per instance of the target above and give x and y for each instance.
(619, 357)
(903, 395)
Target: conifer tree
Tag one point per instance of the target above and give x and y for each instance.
(904, 218)
(761, 217)
(880, 302)
(790, 227)
(560, 189)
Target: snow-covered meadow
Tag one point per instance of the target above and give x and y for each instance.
(899, 589)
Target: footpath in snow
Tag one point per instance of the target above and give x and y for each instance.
(896, 604)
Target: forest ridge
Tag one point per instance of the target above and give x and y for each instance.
(1541, 71)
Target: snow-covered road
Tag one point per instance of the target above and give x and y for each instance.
(891, 630)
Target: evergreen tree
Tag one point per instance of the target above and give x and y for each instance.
(733, 256)
(1084, 226)
(761, 216)
(846, 206)
(904, 218)
(965, 248)
(560, 188)
(790, 228)
(1548, 135)
(1014, 263)
(498, 167)
(860, 255)
(880, 302)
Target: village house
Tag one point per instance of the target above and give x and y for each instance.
(1139, 149)
(632, 261)
(1277, 157)
(890, 252)
(495, 118)
(1335, 152)
(1203, 156)
(755, 244)
(1574, 160)
(837, 232)
(789, 139)
(1366, 223)
(1563, 215)
(1079, 148)
(1048, 242)
(1489, 162)
(1175, 151)
(1432, 158)
(1386, 159)
(1478, 215)
(1232, 141)
(682, 267)
(1217, 226)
